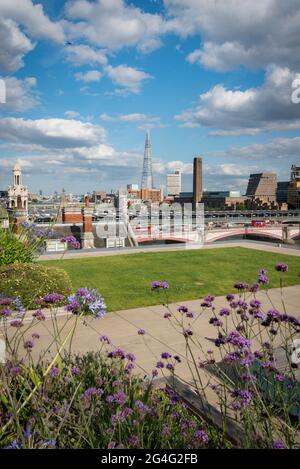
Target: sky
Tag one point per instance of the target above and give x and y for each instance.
(84, 79)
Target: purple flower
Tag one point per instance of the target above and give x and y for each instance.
(6, 301)
(182, 309)
(130, 366)
(131, 357)
(262, 279)
(154, 373)
(141, 332)
(105, 339)
(75, 370)
(215, 322)
(229, 297)
(160, 364)
(167, 315)
(166, 355)
(281, 267)
(17, 323)
(232, 357)
(241, 286)
(248, 360)
(170, 367)
(201, 437)
(5, 312)
(134, 441)
(53, 298)
(224, 312)
(273, 314)
(39, 315)
(235, 338)
(72, 241)
(14, 445)
(242, 397)
(18, 305)
(141, 406)
(118, 353)
(258, 315)
(55, 371)
(158, 285)
(190, 314)
(209, 298)
(120, 398)
(278, 444)
(91, 392)
(87, 301)
(177, 358)
(255, 304)
(268, 365)
(187, 333)
(206, 304)
(28, 345)
(15, 370)
(111, 445)
(219, 341)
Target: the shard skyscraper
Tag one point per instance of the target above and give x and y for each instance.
(147, 176)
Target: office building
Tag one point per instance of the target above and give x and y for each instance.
(174, 183)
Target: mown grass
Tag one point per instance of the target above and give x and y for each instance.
(124, 280)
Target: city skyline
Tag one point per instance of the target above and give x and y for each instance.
(79, 99)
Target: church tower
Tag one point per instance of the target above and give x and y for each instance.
(18, 195)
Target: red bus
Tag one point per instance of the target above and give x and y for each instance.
(258, 223)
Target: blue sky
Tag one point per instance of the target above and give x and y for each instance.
(85, 78)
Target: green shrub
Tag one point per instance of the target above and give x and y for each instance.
(31, 281)
(12, 249)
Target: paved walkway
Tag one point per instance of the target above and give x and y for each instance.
(261, 246)
(122, 328)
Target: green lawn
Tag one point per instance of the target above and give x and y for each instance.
(124, 280)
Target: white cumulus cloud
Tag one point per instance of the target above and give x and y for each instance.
(234, 112)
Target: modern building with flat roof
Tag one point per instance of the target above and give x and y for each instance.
(262, 186)
(174, 183)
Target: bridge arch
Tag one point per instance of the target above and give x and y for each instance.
(217, 236)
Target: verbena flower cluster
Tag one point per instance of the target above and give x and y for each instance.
(87, 301)
(243, 370)
(99, 400)
(71, 241)
(97, 403)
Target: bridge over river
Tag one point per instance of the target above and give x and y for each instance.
(282, 233)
